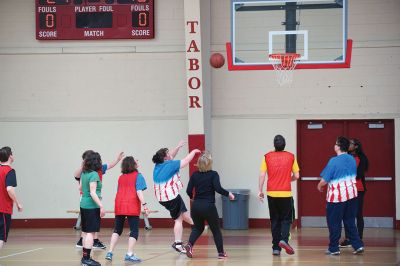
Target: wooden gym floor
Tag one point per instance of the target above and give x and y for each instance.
(245, 247)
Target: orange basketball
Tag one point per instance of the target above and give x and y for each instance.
(217, 60)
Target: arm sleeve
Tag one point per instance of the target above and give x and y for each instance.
(189, 189)
(217, 186)
(326, 174)
(11, 179)
(104, 168)
(361, 168)
(94, 177)
(263, 167)
(140, 182)
(295, 166)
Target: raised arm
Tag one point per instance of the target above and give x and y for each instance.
(175, 151)
(114, 163)
(78, 172)
(185, 161)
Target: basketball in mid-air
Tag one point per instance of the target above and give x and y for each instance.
(217, 60)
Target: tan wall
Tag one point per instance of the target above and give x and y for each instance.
(60, 98)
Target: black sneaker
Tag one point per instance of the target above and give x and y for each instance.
(345, 244)
(98, 245)
(89, 262)
(79, 243)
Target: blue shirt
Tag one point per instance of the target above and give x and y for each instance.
(140, 182)
(340, 174)
(167, 182)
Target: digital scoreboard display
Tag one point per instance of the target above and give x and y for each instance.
(94, 19)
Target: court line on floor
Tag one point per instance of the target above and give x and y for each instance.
(19, 253)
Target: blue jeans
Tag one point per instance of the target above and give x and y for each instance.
(335, 214)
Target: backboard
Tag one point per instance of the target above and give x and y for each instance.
(315, 29)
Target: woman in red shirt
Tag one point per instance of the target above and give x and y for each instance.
(356, 150)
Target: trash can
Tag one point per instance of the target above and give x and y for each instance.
(235, 213)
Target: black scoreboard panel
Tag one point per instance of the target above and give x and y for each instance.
(94, 19)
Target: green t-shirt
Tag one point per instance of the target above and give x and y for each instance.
(86, 178)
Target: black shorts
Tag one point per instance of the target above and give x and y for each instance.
(5, 223)
(90, 220)
(175, 207)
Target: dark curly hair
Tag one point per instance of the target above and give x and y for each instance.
(92, 162)
(160, 155)
(128, 165)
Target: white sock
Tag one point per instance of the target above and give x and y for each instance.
(129, 254)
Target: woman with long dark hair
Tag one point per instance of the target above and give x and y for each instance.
(91, 206)
(356, 150)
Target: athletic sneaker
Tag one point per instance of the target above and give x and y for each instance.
(98, 245)
(289, 250)
(189, 250)
(109, 256)
(222, 255)
(334, 253)
(345, 244)
(178, 246)
(132, 258)
(89, 262)
(359, 251)
(79, 243)
(276, 252)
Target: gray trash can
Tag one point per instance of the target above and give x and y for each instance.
(235, 213)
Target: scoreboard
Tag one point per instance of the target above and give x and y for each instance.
(94, 19)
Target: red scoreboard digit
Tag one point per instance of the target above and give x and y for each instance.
(94, 19)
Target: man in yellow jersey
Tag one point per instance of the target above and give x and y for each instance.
(282, 168)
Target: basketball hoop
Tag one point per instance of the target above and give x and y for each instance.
(284, 64)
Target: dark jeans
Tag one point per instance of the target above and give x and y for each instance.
(202, 211)
(281, 212)
(335, 214)
(359, 215)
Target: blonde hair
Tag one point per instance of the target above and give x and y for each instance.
(204, 163)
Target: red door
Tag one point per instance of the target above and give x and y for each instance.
(316, 141)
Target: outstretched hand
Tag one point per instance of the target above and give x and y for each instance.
(121, 155)
(181, 144)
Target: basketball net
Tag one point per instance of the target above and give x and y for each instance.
(284, 64)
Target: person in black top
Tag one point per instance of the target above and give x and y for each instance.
(201, 189)
(356, 150)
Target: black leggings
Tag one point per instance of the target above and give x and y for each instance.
(360, 215)
(133, 225)
(202, 211)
